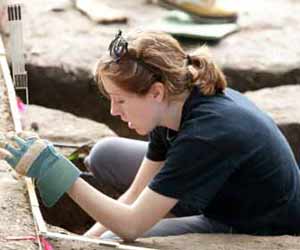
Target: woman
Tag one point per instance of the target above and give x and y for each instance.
(214, 161)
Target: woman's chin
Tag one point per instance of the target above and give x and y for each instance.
(141, 131)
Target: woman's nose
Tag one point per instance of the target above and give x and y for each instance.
(114, 109)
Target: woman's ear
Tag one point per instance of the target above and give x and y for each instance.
(157, 91)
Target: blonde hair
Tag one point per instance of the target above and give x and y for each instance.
(148, 57)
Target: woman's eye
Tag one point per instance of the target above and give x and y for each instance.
(120, 101)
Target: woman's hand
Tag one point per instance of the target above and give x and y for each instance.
(36, 158)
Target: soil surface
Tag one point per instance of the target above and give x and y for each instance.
(264, 53)
(197, 242)
(16, 219)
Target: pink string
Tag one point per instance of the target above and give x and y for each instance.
(21, 106)
(46, 245)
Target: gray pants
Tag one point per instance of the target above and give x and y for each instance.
(115, 161)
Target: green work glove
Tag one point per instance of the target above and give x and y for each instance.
(36, 158)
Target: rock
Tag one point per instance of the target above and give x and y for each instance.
(99, 12)
(264, 53)
(64, 128)
(263, 44)
(61, 5)
(283, 105)
(61, 127)
(260, 55)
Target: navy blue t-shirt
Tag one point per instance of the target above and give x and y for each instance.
(230, 162)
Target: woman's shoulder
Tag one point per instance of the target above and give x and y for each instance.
(226, 105)
(222, 115)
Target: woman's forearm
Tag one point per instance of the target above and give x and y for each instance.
(111, 213)
(145, 207)
(95, 231)
(98, 229)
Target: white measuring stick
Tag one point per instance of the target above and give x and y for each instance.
(14, 12)
(116, 245)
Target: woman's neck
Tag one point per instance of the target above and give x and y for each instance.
(172, 113)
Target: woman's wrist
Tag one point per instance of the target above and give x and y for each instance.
(95, 231)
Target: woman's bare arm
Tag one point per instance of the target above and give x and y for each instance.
(127, 221)
(146, 172)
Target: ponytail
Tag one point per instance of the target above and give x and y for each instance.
(136, 63)
(205, 73)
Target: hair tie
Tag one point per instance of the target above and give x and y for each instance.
(189, 59)
(118, 47)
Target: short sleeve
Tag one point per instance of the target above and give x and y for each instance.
(157, 147)
(194, 171)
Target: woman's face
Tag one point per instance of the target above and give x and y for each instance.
(141, 113)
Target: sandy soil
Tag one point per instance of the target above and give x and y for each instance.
(15, 212)
(6, 123)
(197, 242)
(16, 219)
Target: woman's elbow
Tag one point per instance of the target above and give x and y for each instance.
(129, 237)
(131, 234)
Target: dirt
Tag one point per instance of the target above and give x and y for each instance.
(16, 218)
(223, 242)
(6, 123)
(196, 242)
(15, 211)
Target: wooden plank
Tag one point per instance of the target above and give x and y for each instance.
(116, 245)
(35, 208)
(10, 89)
(17, 126)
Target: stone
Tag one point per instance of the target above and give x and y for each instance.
(283, 105)
(61, 127)
(66, 129)
(264, 53)
(99, 12)
(61, 5)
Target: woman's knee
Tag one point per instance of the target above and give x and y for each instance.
(101, 154)
(116, 159)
